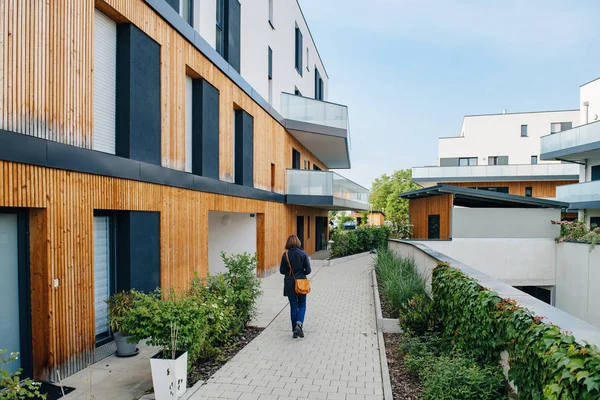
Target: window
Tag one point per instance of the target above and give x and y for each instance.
(492, 160)
(499, 189)
(528, 191)
(186, 9)
(220, 40)
(305, 164)
(188, 122)
(105, 83)
(309, 230)
(308, 162)
(595, 173)
(270, 63)
(295, 159)
(104, 272)
(463, 162)
(523, 130)
(307, 60)
(534, 159)
(233, 152)
(272, 177)
(594, 222)
(318, 85)
(556, 127)
(271, 13)
(298, 53)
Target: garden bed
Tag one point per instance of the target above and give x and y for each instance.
(387, 310)
(203, 370)
(404, 384)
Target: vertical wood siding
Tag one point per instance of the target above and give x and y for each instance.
(420, 209)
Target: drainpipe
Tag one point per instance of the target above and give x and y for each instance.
(586, 104)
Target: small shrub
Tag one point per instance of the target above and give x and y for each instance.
(399, 279)
(417, 315)
(578, 231)
(241, 277)
(364, 238)
(420, 352)
(455, 377)
(11, 385)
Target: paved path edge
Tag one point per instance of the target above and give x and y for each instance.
(385, 372)
(330, 262)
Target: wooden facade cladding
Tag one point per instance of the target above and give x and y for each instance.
(46, 83)
(62, 205)
(420, 209)
(539, 188)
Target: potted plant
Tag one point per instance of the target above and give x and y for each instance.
(169, 370)
(119, 305)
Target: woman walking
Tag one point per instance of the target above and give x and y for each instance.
(295, 265)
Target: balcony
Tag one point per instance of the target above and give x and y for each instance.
(325, 189)
(320, 126)
(575, 144)
(486, 173)
(580, 195)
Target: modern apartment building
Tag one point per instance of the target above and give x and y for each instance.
(580, 146)
(500, 152)
(138, 140)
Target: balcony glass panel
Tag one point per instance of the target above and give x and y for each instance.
(324, 183)
(495, 171)
(313, 111)
(578, 193)
(584, 134)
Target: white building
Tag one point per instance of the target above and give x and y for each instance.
(500, 152)
(266, 41)
(581, 146)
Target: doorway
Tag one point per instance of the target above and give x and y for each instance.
(300, 229)
(104, 273)
(320, 236)
(433, 226)
(15, 313)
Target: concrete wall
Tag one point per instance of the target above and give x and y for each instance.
(500, 135)
(257, 35)
(518, 262)
(578, 281)
(589, 92)
(237, 237)
(504, 223)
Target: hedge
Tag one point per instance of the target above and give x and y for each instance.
(545, 363)
(346, 243)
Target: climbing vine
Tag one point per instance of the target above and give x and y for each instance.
(545, 363)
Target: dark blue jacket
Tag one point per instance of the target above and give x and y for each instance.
(300, 266)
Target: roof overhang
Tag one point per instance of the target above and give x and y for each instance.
(328, 144)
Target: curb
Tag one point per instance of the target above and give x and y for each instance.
(385, 372)
(330, 262)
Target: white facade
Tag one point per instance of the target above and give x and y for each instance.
(497, 135)
(589, 95)
(257, 35)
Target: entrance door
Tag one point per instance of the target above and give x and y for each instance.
(300, 229)
(103, 275)
(433, 226)
(10, 327)
(321, 224)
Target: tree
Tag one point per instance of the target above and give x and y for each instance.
(385, 191)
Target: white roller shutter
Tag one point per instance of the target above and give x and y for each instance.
(101, 272)
(105, 82)
(188, 123)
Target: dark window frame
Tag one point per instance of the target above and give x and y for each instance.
(469, 159)
(190, 18)
(494, 159)
(524, 131)
(298, 50)
(528, 191)
(269, 62)
(534, 160)
(220, 28)
(595, 173)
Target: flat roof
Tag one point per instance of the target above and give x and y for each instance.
(477, 198)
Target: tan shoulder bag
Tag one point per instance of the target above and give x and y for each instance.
(302, 285)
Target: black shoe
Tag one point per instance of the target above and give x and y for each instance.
(299, 330)
(295, 335)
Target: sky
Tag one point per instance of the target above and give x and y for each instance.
(409, 70)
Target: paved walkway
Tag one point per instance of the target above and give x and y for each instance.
(338, 358)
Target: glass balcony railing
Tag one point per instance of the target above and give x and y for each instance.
(581, 135)
(448, 174)
(325, 183)
(579, 193)
(313, 111)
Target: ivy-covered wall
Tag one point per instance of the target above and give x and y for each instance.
(545, 363)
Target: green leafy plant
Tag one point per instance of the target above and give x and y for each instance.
(417, 315)
(544, 361)
(399, 279)
(241, 276)
(578, 231)
(364, 238)
(421, 351)
(12, 387)
(460, 378)
(119, 305)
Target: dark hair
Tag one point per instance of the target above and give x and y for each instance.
(293, 241)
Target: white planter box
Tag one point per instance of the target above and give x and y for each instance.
(169, 377)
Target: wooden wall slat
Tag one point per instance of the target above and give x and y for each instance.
(420, 209)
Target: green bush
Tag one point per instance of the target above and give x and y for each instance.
(364, 238)
(420, 352)
(544, 362)
(12, 386)
(417, 315)
(460, 378)
(399, 279)
(242, 279)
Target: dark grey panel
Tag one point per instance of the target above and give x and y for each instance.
(302, 126)
(502, 160)
(138, 250)
(205, 129)
(174, 4)
(233, 33)
(138, 95)
(449, 162)
(566, 126)
(22, 148)
(244, 148)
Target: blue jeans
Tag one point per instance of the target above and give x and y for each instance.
(297, 309)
